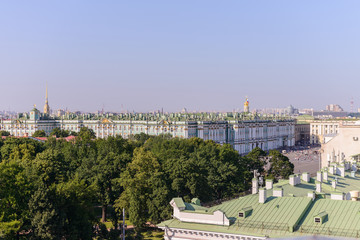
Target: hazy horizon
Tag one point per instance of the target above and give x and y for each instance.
(201, 55)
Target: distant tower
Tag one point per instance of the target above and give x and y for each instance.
(352, 104)
(246, 106)
(46, 106)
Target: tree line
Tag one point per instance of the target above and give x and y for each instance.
(53, 189)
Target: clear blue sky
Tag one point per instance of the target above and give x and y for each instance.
(202, 55)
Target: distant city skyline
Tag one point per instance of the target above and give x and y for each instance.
(201, 55)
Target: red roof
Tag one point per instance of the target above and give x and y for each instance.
(70, 138)
(41, 138)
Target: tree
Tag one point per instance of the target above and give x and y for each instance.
(4, 133)
(256, 160)
(49, 167)
(137, 181)
(108, 169)
(63, 211)
(227, 173)
(72, 133)
(280, 167)
(44, 214)
(140, 138)
(59, 133)
(15, 191)
(20, 150)
(103, 168)
(86, 133)
(39, 133)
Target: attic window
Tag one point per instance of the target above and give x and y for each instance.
(321, 218)
(245, 212)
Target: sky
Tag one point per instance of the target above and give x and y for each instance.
(203, 55)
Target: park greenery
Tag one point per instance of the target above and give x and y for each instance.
(67, 190)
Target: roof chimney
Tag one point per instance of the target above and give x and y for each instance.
(306, 177)
(337, 196)
(255, 186)
(262, 195)
(278, 192)
(311, 195)
(297, 179)
(319, 176)
(318, 187)
(269, 183)
(342, 170)
(292, 180)
(354, 167)
(325, 175)
(347, 165)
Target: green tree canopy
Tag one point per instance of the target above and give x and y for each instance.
(4, 133)
(281, 167)
(86, 133)
(256, 160)
(39, 133)
(15, 192)
(138, 181)
(59, 133)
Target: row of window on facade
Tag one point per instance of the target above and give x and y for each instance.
(136, 128)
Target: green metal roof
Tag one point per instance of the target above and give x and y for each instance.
(345, 184)
(279, 216)
(343, 218)
(179, 202)
(273, 216)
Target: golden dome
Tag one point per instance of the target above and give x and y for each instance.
(246, 102)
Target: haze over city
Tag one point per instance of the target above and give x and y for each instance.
(202, 55)
(179, 120)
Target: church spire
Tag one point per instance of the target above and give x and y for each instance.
(46, 106)
(46, 98)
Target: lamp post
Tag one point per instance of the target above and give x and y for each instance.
(320, 151)
(123, 225)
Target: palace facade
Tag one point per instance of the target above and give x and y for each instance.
(243, 134)
(244, 131)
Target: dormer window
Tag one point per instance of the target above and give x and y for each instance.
(321, 218)
(245, 212)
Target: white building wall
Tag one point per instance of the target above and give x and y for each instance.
(186, 234)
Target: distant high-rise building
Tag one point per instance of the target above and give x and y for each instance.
(60, 112)
(46, 106)
(334, 108)
(246, 106)
(291, 110)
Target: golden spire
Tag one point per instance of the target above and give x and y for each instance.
(46, 106)
(46, 98)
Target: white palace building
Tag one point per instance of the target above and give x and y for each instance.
(244, 131)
